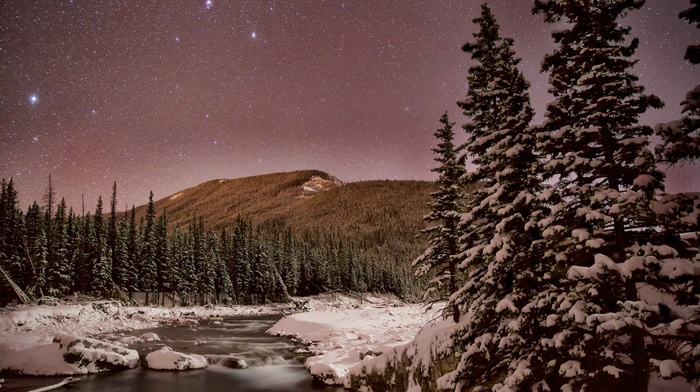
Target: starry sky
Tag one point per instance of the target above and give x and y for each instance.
(163, 95)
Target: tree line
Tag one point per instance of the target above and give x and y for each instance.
(569, 267)
(48, 250)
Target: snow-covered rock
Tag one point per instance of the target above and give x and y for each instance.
(326, 373)
(233, 363)
(150, 337)
(68, 354)
(94, 355)
(167, 359)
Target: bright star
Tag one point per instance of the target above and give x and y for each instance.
(253, 34)
(33, 99)
(209, 4)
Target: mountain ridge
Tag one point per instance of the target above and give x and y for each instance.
(383, 215)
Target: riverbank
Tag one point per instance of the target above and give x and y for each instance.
(343, 328)
(342, 337)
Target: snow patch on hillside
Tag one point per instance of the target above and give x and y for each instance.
(175, 196)
(317, 184)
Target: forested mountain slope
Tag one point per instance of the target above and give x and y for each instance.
(384, 214)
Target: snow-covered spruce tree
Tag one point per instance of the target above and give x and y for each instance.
(608, 239)
(112, 235)
(133, 245)
(498, 227)
(59, 275)
(101, 256)
(681, 138)
(439, 259)
(163, 260)
(40, 264)
(148, 263)
(122, 265)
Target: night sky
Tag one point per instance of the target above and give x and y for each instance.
(164, 95)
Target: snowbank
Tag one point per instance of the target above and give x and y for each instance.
(339, 338)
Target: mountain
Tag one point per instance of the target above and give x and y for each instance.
(384, 215)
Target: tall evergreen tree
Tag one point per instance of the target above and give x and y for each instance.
(112, 233)
(242, 277)
(122, 266)
(602, 236)
(177, 252)
(100, 254)
(59, 274)
(82, 268)
(49, 200)
(148, 266)
(40, 252)
(223, 287)
(439, 260)
(101, 281)
(204, 272)
(133, 245)
(498, 227)
(163, 263)
(34, 227)
(290, 264)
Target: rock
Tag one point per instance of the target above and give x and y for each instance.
(233, 363)
(93, 356)
(150, 337)
(370, 353)
(327, 373)
(167, 359)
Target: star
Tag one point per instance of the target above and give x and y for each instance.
(178, 74)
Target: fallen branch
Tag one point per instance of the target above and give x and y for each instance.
(66, 381)
(22, 296)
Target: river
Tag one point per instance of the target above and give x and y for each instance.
(274, 363)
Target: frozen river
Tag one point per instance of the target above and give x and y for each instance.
(274, 363)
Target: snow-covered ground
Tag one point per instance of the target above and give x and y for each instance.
(27, 333)
(340, 335)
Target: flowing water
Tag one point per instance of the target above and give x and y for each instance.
(274, 363)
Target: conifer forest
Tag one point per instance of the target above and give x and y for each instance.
(49, 250)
